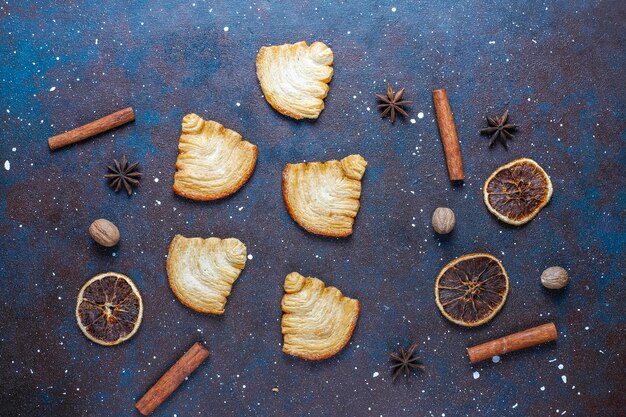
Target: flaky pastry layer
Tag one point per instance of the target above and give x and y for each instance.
(201, 272)
(294, 77)
(324, 198)
(213, 162)
(318, 321)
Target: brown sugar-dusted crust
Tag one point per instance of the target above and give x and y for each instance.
(471, 289)
(318, 321)
(517, 191)
(201, 272)
(294, 77)
(213, 161)
(324, 198)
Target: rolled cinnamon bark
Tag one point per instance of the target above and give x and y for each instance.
(449, 138)
(171, 379)
(91, 129)
(516, 341)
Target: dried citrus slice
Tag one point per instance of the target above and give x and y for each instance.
(517, 191)
(109, 308)
(471, 289)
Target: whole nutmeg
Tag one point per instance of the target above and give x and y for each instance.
(554, 278)
(443, 220)
(104, 232)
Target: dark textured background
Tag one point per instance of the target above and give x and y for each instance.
(558, 67)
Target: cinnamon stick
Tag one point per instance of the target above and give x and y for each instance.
(449, 137)
(516, 341)
(171, 379)
(96, 127)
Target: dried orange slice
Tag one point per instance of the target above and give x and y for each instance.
(517, 191)
(471, 289)
(109, 308)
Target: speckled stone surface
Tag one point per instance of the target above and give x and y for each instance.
(559, 68)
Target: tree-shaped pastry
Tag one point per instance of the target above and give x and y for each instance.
(201, 272)
(213, 162)
(318, 321)
(324, 197)
(294, 77)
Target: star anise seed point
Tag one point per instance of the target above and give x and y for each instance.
(499, 129)
(405, 361)
(123, 175)
(392, 103)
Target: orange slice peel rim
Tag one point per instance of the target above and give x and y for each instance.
(80, 299)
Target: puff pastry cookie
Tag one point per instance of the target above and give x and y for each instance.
(324, 197)
(318, 321)
(201, 272)
(294, 77)
(213, 162)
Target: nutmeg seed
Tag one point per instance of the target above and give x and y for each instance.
(443, 220)
(104, 232)
(554, 278)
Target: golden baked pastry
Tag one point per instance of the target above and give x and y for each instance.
(294, 77)
(324, 197)
(318, 321)
(213, 162)
(201, 272)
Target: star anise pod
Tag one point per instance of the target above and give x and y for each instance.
(392, 103)
(404, 362)
(124, 175)
(499, 129)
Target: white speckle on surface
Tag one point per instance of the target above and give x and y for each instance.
(238, 104)
(52, 88)
(564, 379)
(250, 256)
(492, 42)
(420, 115)
(476, 374)
(393, 9)
(7, 165)
(158, 202)
(514, 405)
(543, 388)
(560, 366)
(225, 28)
(375, 374)
(156, 180)
(495, 359)
(96, 42)
(14, 149)
(413, 121)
